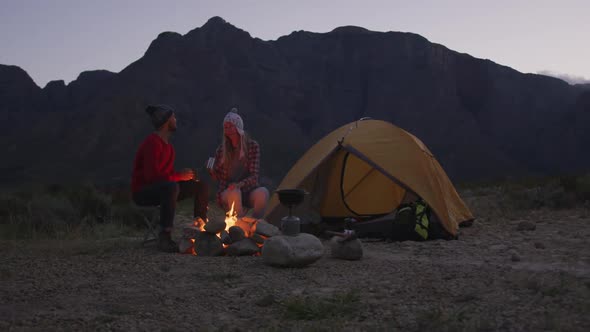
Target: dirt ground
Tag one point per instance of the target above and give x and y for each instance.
(494, 277)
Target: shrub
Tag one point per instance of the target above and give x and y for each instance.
(582, 187)
(56, 211)
(89, 202)
(11, 204)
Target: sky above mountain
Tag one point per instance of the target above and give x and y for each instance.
(59, 39)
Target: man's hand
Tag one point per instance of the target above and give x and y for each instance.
(209, 166)
(187, 174)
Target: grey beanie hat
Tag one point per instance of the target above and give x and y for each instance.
(159, 114)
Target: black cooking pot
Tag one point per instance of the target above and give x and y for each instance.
(291, 197)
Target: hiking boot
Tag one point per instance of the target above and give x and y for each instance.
(166, 244)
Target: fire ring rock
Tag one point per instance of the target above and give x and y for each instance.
(215, 226)
(186, 246)
(236, 233)
(190, 231)
(245, 247)
(225, 238)
(208, 244)
(257, 238)
(292, 251)
(265, 229)
(349, 250)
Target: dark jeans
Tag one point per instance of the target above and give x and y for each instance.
(166, 194)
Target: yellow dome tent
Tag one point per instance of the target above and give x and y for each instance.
(364, 168)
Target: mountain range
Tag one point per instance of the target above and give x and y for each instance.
(481, 120)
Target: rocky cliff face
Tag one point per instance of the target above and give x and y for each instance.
(480, 119)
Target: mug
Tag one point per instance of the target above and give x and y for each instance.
(210, 162)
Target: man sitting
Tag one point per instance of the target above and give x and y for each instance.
(155, 182)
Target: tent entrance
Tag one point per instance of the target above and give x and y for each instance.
(354, 187)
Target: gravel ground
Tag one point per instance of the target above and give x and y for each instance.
(495, 277)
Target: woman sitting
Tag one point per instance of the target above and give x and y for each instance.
(236, 168)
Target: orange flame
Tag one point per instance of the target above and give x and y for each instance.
(200, 223)
(231, 217)
(189, 249)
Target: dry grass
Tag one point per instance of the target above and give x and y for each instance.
(78, 212)
(514, 200)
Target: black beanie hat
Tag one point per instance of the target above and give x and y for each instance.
(159, 114)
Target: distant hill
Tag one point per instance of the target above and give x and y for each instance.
(481, 120)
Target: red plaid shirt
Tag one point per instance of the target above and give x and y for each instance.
(250, 182)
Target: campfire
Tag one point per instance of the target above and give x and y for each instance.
(231, 218)
(231, 236)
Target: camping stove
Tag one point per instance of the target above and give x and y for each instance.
(291, 225)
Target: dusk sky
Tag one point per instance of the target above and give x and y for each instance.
(58, 39)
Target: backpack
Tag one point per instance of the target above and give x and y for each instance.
(412, 222)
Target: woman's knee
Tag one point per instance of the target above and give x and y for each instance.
(231, 195)
(260, 195)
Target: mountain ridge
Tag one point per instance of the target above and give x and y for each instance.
(480, 119)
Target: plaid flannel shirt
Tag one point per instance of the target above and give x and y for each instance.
(247, 184)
